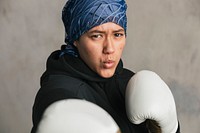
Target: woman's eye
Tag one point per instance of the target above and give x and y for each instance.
(119, 34)
(96, 36)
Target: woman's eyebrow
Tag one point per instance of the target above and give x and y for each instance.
(119, 30)
(100, 31)
(96, 31)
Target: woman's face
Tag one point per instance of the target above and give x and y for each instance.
(101, 48)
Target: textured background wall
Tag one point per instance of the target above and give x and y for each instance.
(163, 36)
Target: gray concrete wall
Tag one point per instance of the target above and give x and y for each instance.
(163, 36)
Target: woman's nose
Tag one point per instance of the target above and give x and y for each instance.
(108, 46)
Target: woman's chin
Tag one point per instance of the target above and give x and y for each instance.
(107, 73)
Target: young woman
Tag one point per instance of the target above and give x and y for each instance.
(89, 67)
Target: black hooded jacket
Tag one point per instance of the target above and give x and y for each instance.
(69, 77)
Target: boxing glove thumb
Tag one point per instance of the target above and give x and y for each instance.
(148, 97)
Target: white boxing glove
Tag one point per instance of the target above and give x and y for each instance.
(148, 97)
(76, 116)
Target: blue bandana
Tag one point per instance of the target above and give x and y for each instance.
(79, 16)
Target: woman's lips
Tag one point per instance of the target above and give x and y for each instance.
(108, 64)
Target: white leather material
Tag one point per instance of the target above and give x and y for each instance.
(76, 116)
(148, 97)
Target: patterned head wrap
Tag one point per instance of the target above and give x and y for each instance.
(79, 16)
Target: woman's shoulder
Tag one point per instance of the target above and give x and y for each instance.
(62, 81)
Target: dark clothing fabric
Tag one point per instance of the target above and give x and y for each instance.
(69, 77)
